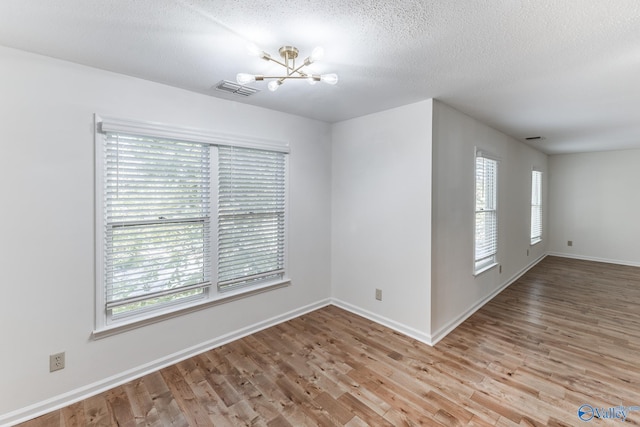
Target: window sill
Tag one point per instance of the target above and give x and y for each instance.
(535, 242)
(156, 317)
(483, 269)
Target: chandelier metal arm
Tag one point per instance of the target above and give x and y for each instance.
(309, 76)
(297, 70)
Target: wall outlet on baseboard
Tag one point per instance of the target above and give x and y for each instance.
(569, 242)
(379, 294)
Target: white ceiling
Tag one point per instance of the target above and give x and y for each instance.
(563, 69)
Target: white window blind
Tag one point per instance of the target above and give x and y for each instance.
(536, 206)
(486, 221)
(251, 216)
(157, 220)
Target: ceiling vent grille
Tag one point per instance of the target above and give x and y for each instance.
(236, 89)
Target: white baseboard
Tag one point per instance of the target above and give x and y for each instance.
(396, 326)
(81, 393)
(451, 325)
(596, 259)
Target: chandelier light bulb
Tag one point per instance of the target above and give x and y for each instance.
(317, 54)
(274, 85)
(329, 78)
(244, 78)
(254, 50)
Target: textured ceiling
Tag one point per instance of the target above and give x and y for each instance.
(564, 69)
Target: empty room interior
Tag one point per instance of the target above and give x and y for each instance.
(334, 213)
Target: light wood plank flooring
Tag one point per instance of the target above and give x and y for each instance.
(566, 334)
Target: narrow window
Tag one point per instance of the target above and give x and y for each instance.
(536, 207)
(486, 216)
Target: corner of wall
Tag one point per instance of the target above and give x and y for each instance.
(381, 209)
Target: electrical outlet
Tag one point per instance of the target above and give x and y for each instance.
(379, 294)
(569, 242)
(527, 252)
(56, 362)
(500, 269)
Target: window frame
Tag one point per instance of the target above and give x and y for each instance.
(491, 260)
(106, 326)
(536, 239)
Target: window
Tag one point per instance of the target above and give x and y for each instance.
(536, 206)
(486, 217)
(251, 215)
(180, 210)
(157, 221)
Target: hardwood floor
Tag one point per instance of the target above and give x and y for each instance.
(565, 335)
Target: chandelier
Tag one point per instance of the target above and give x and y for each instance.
(289, 55)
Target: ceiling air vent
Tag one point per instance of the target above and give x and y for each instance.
(235, 88)
(534, 138)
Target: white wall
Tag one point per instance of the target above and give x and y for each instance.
(47, 226)
(455, 292)
(381, 216)
(595, 201)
